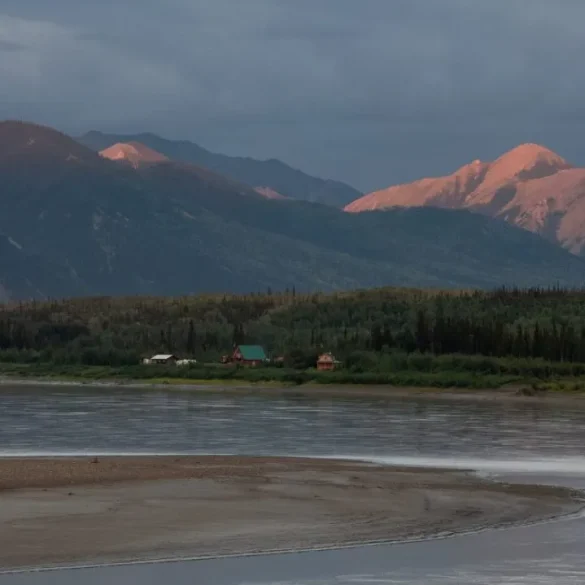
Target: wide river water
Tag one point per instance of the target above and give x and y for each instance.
(530, 442)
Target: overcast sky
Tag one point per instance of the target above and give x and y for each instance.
(372, 92)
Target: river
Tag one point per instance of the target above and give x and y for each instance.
(527, 442)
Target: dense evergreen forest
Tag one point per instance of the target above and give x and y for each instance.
(361, 328)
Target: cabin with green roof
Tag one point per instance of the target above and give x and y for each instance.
(249, 355)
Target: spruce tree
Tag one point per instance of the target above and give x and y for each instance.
(191, 338)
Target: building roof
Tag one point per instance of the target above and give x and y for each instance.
(327, 358)
(163, 356)
(252, 352)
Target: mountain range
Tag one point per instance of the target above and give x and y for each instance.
(271, 175)
(530, 187)
(133, 220)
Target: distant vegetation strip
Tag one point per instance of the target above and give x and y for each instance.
(286, 376)
(461, 372)
(402, 337)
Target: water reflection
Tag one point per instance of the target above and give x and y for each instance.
(546, 554)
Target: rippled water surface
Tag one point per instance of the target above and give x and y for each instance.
(545, 441)
(52, 421)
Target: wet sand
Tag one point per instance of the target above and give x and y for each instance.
(67, 511)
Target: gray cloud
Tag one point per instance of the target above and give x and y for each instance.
(371, 92)
(10, 47)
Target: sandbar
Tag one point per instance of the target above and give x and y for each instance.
(68, 511)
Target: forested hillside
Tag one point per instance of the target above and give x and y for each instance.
(531, 323)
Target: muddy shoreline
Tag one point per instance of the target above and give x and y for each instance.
(69, 511)
(512, 394)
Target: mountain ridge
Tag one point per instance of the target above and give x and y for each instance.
(270, 174)
(529, 186)
(23, 139)
(91, 226)
(137, 155)
(134, 153)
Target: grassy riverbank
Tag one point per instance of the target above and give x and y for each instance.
(264, 375)
(445, 372)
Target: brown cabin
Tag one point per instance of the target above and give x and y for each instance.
(327, 362)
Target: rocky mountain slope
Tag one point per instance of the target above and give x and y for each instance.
(270, 175)
(75, 223)
(137, 155)
(134, 153)
(530, 187)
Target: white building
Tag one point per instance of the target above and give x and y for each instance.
(161, 358)
(167, 359)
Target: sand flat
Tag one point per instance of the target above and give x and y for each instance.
(84, 510)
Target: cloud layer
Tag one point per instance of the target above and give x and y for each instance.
(371, 92)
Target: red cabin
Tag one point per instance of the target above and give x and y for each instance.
(327, 362)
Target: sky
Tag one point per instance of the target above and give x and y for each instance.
(371, 92)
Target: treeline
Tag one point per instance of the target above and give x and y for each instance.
(438, 334)
(547, 324)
